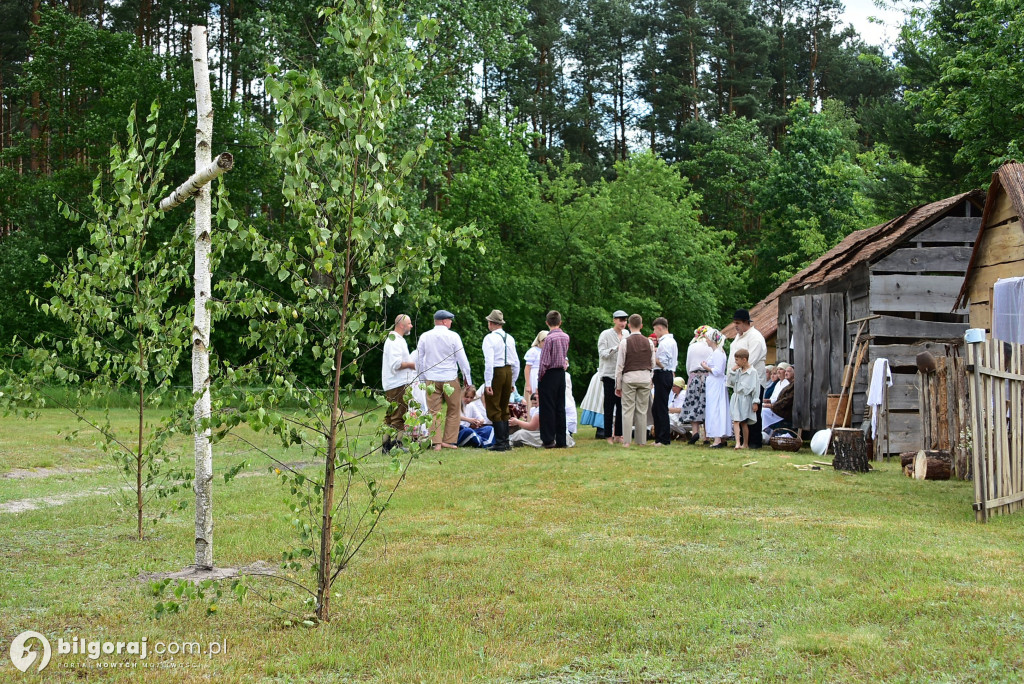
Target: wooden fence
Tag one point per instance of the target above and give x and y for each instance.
(996, 382)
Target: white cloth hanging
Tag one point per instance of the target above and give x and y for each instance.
(1008, 310)
(881, 376)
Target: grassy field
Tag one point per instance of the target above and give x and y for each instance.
(594, 564)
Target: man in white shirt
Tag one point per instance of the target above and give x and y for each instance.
(666, 359)
(439, 357)
(608, 353)
(748, 337)
(397, 373)
(501, 370)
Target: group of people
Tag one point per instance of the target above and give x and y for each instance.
(636, 385)
(458, 417)
(721, 396)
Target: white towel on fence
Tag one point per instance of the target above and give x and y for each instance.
(1008, 310)
(880, 376)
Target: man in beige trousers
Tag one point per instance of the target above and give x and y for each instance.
(439, 358)
(633, 368)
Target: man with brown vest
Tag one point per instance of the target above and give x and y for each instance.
(633, 381)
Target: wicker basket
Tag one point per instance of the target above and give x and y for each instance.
(785, 439)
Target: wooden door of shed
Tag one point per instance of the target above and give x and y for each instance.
(819, 356)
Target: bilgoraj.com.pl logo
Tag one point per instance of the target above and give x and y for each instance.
(23, 656)
(31, 648)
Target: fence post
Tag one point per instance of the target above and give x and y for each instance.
(980, 475)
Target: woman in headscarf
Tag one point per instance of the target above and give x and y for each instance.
(531, 359)
(693, 405)
(717, 421)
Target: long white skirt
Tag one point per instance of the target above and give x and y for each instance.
(531, 438)
(717, 422)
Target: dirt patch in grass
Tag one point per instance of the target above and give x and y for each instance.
(33, 473)
(194, 574)
(35, 503)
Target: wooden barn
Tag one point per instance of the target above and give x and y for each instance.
(908, 272)
(999, 246)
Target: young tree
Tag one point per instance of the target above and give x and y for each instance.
(343, 179)
(126, 328)
(813, 193)
(975, 98)
(727, 171)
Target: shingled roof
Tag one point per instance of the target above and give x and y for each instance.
(1010, 178)
(856, 248)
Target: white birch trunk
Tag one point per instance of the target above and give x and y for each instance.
(201, 320)
(190, 188)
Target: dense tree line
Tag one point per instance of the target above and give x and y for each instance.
(675, 157)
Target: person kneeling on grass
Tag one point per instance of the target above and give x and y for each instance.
(475, 429)
(676, 398)
(527, 432)
(745, 395)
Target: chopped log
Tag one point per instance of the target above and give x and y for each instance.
(925, 466)
(907, 457)
(851, 450)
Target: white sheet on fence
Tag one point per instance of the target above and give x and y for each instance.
(1008, 310)
(880, 374)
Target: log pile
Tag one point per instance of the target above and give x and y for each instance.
(851, 450)
(927, 465)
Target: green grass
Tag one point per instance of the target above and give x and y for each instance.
(594, 564)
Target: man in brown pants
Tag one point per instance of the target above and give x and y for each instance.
(501, 370)
(439, 358)
(397, 372)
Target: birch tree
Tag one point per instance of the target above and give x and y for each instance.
(126, 329)
(198, 187)
(358, 245)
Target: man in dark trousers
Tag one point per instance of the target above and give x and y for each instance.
(667, 358)
(554, 361)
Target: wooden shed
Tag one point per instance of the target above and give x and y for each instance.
(999, 245)
(909, 272)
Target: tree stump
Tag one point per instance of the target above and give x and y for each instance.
(851, 450)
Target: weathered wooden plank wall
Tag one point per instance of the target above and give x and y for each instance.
(925, 259)
(951, 230)
(915, 293)
(1000, 255)
(819, 353)
(801, 360)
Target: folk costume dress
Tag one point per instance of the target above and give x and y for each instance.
(717, 422)
(696, 393)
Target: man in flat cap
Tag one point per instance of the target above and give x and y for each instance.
(748, 337)
(608, 353)
(439, 357)
(501, 370)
